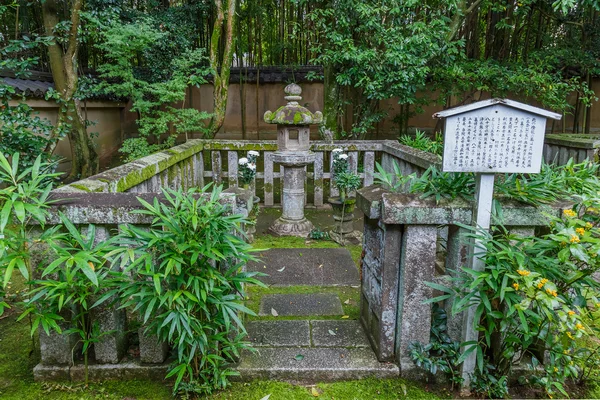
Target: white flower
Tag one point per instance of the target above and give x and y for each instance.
(337, 150)
(253, 153)
(343, 156)
(252, 167)
(243, 161)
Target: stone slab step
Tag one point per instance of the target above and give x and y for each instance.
(304, 333)
(279, 333)
(313, 364)
(301, 304)
(332, 333)
(311, 267)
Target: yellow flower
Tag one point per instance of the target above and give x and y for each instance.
(516, 286)
(580, 231)
(91, 265)
(579, 326)
(588, 225)
(574, 239)
(597, 305)
(569, 335)
(571, 312)
(542, 282)
(566, 352)
(523, 272)
(555, 369)
(551, 292)
(569, 213)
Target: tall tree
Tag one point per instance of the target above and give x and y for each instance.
(220, 61)
(63, 59)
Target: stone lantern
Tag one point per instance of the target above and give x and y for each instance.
(293, 143)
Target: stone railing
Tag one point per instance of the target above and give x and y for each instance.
(558, 149)
(198, 162)
(107, 211)
(409, 241)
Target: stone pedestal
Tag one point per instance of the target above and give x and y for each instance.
(343, 216)
(292, 221)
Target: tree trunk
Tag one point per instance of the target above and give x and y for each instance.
(221, 65)
(63, 63)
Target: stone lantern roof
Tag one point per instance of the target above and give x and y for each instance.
(293, 113)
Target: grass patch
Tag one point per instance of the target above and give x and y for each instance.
(349, 296)
(380, 389)
(292, 242)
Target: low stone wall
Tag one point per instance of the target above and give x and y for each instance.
(409, 241)
(110, 360)
(198, 162)
(558, 149)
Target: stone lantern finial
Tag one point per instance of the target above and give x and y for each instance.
(292, 94)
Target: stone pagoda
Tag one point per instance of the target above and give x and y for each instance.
(293, 137)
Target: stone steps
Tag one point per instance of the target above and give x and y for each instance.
(308, 350)
(309, 365)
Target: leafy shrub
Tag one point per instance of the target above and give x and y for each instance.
(23, 200)
(551, 184)
(422, 142)
(77, 280)
(441, 353)
(188, 283)
(533, 298)
(154, 96)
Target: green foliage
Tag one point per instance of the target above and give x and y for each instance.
(78, 279)
(377, 52)
(23, 201)
(318, 234)
(247, 167)
(188, 285)
(441, 353)
(446, 185)
(154, 96)
(345, 180)
(21, 130)
(551, 184)
(422, 142)
(535, 80)
(534, 296)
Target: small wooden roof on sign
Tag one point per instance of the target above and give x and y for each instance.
(486, 103)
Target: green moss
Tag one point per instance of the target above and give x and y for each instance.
(268, 188)
(283, 242)
(298, 118)
(239, 146)
(135, 177)
(16, 378)
(80, 187)
(380, 389)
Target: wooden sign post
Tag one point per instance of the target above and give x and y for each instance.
(490, 136)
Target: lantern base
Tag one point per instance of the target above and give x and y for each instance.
(287, 227)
